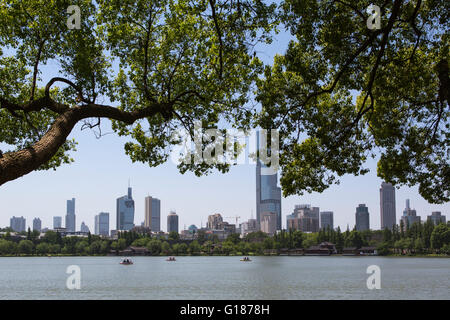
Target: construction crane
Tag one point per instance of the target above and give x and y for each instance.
(235, 217)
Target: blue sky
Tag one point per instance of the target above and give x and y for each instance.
(101, 172)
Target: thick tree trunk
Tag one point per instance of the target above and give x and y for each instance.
(14, 165)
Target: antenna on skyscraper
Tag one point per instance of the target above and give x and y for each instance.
(251, 216)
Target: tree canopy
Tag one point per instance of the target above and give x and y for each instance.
(340, 94)
(399, 75)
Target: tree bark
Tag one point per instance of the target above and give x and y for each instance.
(16, 164)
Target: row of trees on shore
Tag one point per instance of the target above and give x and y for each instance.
(419, 238)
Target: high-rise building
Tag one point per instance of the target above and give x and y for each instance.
(305, 219)
(70, 216)
(214, 221)
(84, 227)
(125, 212)
(37, 224)
(268, 194)
(436, 217)
(269, 222)
(152, 214)
(362, 218)
(409, 216)
(248, 227)
(387, 206)
(17, 224)
(57, 222)
(102, 224)
(172, 222)
(326, 220)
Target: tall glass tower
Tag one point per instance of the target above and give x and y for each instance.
(125, 212)
(387, 206)
(268, 194)
(70, 216)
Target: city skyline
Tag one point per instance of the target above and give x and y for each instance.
(70, 207)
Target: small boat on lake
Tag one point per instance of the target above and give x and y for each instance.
(126, 261)
(246, 259)
(171, 259)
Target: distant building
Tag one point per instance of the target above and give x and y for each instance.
(305, 219)
(57, 222)
(269, 222)
(387, 206)
(172, 222)
(436, 217)
(70, 216)
(248, 227)
(37, 224)
(153, 214)
(409, 216)
(214, 221)
(125, 212)
(84, 228)
(102, 224)
(268, 194)
(17, 224)
(192, 229)
(326, 220)
(362, 218)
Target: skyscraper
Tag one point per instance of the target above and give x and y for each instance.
(152, 214)
(57, 222)
(269, 222)
(125, 212)
(102, 224)
(84, 227)
(326, 220)
(172, 222)
(436, 217)
(37, 224)
(387, 205)
(304, 218)
(17, 224)
(268, 194)
(214, 221)
(70, 216)
(409, 216)
(362, 218)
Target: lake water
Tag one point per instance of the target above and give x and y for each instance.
(225, 278)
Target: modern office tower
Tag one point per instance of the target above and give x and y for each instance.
(387, 206)
(362, 218)
(248, 227)
(152, 214)
(37, 224)
(57, 222)
(214, 221)
(289, 217)
(436, 217)
(268, 194)
(84, 228)
(17, 224)
(125, 212)
(269, 222)
(305, 219)
(102, 224)
(70, 216)
(172, 222)
(409, 216)
(326, 220)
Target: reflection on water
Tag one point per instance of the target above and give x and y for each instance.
(225, 278)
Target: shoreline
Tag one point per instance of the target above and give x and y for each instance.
(219, 255)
